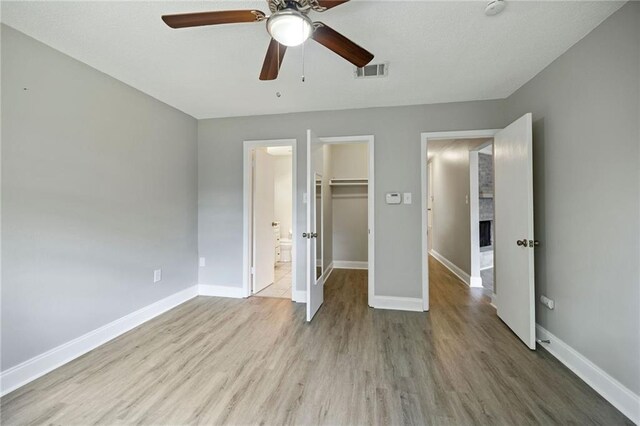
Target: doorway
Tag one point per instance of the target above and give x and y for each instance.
(447, 222)
(269, 261)
(454, 205)
(513, 238)
(339, 212)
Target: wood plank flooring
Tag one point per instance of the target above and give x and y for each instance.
(255, 361)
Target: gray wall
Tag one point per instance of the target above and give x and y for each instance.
(350, 203)
(586, 143)
(98, 190)
(451, 231)
(397, 167)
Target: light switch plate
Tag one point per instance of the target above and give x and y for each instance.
(202, 262)
(157, 275)
(406, 198)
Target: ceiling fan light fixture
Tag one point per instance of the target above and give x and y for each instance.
(289, 27)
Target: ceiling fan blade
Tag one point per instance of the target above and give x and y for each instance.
(341, 45)
(328, 4)
(273, 61)
(213, 18)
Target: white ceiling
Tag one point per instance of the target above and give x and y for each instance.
(441, 51)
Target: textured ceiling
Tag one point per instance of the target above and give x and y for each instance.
(443, 51)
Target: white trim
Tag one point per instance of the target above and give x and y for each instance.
(299, 296)
(246, 208)
(424, 140)
(474, 212)
(370, 141)
(221, 291)
(413, 304)
(349, 264)
(457, 271)
(475, 281)
(40, 365)
(612, 390)
(327, 272)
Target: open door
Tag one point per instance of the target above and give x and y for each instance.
(263, 237)
(514, 239)
(315, 284)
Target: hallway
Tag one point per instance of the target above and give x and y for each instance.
(229, 361)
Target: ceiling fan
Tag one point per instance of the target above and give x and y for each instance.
(289, 25)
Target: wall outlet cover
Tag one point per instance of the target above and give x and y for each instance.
(406, 198)
(202, 262)
(157, 275)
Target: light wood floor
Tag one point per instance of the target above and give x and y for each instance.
(255, 361)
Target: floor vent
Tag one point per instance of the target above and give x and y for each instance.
(373, 71)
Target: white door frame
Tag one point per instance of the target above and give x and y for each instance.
(247, 178)
(424, 141)
(369, 140)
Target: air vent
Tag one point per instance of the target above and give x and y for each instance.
(373, 71)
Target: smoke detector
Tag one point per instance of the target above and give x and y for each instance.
(494, 7)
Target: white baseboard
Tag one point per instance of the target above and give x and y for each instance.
(613, 391)
(348, 264)
(327, 272)
(220, 291)
(494, 300)
(398, 303)
(453, 268)
(475, 281)
(40, 365)
(299, 296)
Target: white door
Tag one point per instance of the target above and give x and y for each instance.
(315, 284)
(514, 239)
(263, 205)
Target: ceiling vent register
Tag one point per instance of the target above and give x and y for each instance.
(373, 71)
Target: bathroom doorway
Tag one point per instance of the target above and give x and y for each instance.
(269, 188)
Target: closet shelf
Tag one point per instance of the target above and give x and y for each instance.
(349, 182)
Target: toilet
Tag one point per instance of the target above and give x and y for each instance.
(285, 250)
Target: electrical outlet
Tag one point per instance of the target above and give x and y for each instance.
(547, 302)
(202, 262)
(157, 275)
(406, 198)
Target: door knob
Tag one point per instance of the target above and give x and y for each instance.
(522, 243)
(314, 235)
(305, 235)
